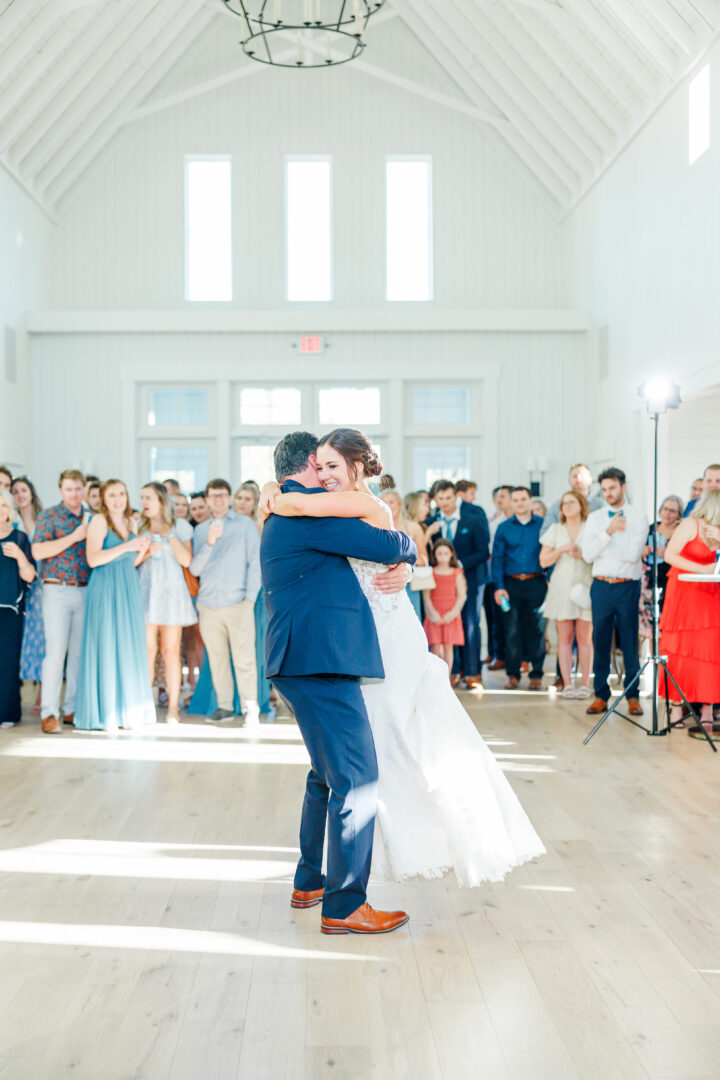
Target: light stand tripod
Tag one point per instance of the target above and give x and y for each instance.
(656, 403)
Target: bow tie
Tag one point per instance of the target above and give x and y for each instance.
(612, 513)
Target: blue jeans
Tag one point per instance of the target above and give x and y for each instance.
(615, 608)
(63, 617)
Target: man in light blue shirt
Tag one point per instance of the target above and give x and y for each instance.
(226, 558)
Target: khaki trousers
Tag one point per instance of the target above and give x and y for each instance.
(229, 634)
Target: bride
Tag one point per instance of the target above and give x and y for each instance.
(443, 801)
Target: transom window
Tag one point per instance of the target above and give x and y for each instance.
(441, 405)
(186, 464)
(437, 462)
(262, 406)
(177, 406)
(349, 405)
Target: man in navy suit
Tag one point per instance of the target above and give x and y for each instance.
(466, 526)
(321, 641)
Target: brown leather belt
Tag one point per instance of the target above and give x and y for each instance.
(524, 577)
(614, 580)
(71, 584)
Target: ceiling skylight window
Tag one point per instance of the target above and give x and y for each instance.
(408, 223)
(699, 114)
(208, 229)
(309, 229)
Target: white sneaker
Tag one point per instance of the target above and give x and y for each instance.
(251, 715)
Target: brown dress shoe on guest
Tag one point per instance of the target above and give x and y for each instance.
(455, 680)
(301, 899)
(365, 921)
(497, 665)
(634, 707)
(598, 706)
(474, 682)
(536, 684)
(559, 683)
(50, 725)
(69, 718)
(512, 683)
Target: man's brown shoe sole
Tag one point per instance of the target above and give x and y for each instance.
(348, 930)
(306, 900)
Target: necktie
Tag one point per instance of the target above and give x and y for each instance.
(447, 528)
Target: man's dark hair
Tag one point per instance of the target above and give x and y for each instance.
(502, 487)
(521, 487)
(442, 485)
(612, 474)
(465, 485)
(292, 453)
(218, 484)
(197, 495)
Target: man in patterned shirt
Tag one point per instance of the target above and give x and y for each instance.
(60, 543)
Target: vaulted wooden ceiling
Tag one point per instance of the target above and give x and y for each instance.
(558, 86)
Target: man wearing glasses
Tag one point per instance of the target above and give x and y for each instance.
(580, 480)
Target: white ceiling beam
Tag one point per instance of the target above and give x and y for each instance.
(673, 23)
(13, 16)
(653, 45)
(558, 126)
(649, 82)
(28, 189)
(160, 57)
(522, 110)
(709, 10)
(37, 122)
(433, 32)
(568, 82)
(207, 87)
(24, 42)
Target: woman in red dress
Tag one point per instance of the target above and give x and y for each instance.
(443, 624)
(690, 623)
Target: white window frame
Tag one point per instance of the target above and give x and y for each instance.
(699, 115)
(353, 384)
(190, 159)
(437, 428)
(294, 158)
(175, 432)
(427, 159)
(144, 444)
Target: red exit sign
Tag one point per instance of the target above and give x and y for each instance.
(311, 345)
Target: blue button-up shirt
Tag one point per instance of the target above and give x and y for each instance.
(516, 549)
(229, 571)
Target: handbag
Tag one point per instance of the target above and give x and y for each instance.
(422, 579)
(191, 581)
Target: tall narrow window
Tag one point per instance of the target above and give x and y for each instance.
(208, 229)
(408, 223)
(309, 229)
(699, 114)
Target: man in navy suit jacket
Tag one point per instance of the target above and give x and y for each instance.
(466, 526)
(321, 641)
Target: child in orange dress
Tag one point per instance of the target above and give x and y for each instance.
(443, 604)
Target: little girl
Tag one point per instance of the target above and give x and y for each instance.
(444, 603)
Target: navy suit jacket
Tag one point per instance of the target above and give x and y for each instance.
(472, 543)
(319, 622)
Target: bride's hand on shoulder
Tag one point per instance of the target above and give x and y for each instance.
(266, 502)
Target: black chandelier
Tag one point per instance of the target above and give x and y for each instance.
(304, 33)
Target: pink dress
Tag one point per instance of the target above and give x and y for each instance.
(443, 597)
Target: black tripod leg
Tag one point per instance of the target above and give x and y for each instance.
(669, 675)
(614, 706)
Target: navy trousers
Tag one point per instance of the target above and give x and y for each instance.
(11, 631)
(466, 658)
(341, 788)
(524, 626)
(615, 607)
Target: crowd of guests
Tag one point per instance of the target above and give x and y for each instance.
(108, 600)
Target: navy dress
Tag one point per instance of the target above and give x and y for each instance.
(114, 688)
(13, 591)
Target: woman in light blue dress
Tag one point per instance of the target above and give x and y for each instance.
(114, 688)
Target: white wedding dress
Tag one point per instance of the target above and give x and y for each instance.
(443, 801)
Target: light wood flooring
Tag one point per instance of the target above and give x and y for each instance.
(145, 929)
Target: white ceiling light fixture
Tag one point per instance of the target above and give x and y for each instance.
(325, 32)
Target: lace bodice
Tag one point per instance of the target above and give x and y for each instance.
(366, 573)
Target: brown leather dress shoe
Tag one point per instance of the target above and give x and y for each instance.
(634, 707)
(512, 683)
(536, 684)
(559, 683)
(365, 921)
(301, 899)
(50, 725)
(455, 680)
(598, 706)
(69, 718)
(474, 682)
(497, 665)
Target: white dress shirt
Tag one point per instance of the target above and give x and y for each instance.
(497, 520)
(616, 555)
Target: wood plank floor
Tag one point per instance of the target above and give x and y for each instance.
(145, 929)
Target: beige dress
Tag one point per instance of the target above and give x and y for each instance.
(567, 572)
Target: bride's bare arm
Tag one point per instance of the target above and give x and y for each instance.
(340, 504)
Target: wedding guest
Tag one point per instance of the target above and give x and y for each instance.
(539, 508)
(33, 643)
(671, 513)
(568, 595)
(466, 527)
(696, 489)
(403, 523)
(502, 502)
(227, 561)
(114, 690)
(59, 543)
(182, 507)
(199, 509)
(92, 496)
(520, 581)
(17, 571)
(710, 482)
(613, 542)
(5, 478)
(172, 487)
(467, 490)
(579, 479)
(690, 623)
(387, 483)
(245, 502)
(417, 507)
(166, 599)
(443, 604)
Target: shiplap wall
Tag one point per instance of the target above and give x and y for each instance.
(644, 258)
(120, 243)
(693, 439)
(539, 379)
(25, 238)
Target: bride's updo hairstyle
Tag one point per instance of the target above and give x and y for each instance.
(355, 448)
